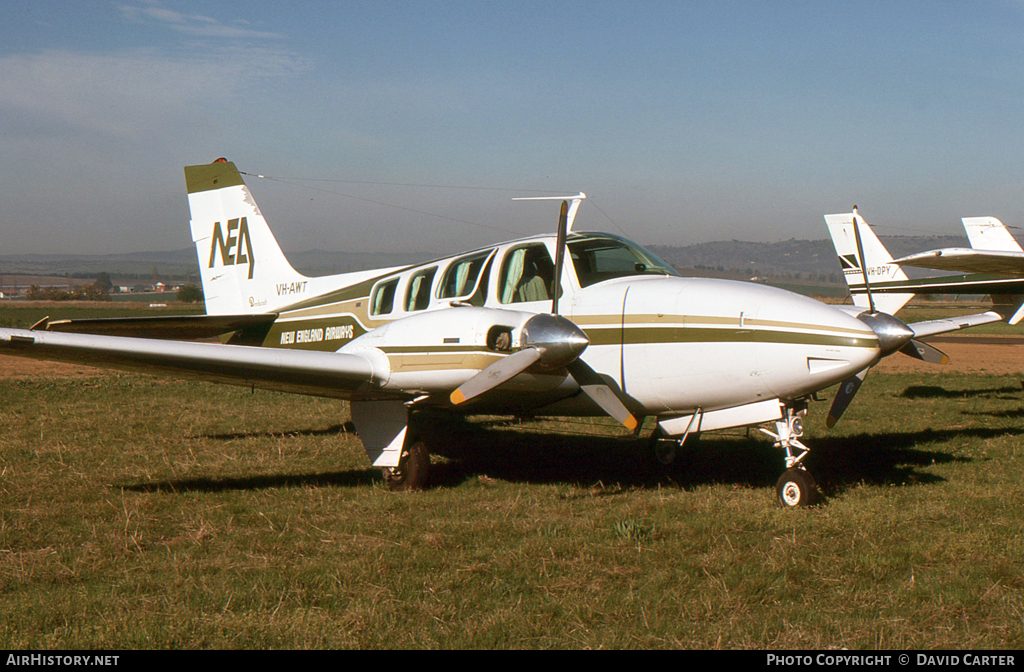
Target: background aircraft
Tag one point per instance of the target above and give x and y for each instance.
(565, 324)
(994, 265)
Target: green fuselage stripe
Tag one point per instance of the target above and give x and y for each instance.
(650, 335)
(976, 283)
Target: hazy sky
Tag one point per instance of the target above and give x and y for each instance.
(684, 121)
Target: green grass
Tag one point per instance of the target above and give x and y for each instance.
(139, 513)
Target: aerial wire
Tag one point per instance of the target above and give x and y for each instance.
(294, 183)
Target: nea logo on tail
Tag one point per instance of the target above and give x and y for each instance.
(230, 246)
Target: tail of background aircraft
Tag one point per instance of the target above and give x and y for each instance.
(242, 266)
(988, 233)
(880, 269)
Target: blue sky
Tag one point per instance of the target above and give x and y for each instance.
(684, 122)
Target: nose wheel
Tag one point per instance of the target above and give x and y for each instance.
(796, 488)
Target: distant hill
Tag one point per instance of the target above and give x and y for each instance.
(811, 259)
(807, 257)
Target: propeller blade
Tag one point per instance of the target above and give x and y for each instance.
(602, 394)
(927, 353)
(847, 390)
(560, 254)
(863, 265)
(495, 374)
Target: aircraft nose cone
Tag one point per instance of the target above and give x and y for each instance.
(559, 340)
(892, 333)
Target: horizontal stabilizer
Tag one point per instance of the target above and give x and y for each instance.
(967, 260)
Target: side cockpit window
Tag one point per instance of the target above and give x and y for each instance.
(460, 278)
(526, 275)
(383, 300)
(418, 295)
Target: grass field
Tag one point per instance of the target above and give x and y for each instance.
(143, 513)
(139, 513)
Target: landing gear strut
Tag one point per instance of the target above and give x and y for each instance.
(413, 470)
(795, 487)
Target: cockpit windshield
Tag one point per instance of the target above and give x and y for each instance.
(599, 257)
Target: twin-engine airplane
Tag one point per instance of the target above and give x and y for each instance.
(565, 324)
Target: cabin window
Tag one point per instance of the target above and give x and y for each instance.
(599, 258)
(418, 296)
(527, 275)
(383, 300)
(460, 278)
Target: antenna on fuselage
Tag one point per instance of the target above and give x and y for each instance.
(566, 217)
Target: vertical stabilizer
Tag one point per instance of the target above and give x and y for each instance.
(988, 233)
(239, 258)
(882, 275)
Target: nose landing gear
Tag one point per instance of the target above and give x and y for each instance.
(795, 487)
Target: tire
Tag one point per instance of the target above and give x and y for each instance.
(796, 488)
(413, 472)
(665, 451)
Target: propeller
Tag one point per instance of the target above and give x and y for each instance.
(863, 266)
(893, 335)
(924, 352)
(549, 342)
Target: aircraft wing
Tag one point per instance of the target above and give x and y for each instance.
(328, 374)
(948, 324)
(249, 329)
(965, 260)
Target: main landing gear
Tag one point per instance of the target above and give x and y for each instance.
(795, 487)
(413, 470)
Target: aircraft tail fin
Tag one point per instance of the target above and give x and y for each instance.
(239, 258)
(1009, 306)
(988, 233)
(883, 276)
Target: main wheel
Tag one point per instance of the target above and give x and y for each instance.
(796, 488)
(664, 451)
(413, 470)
